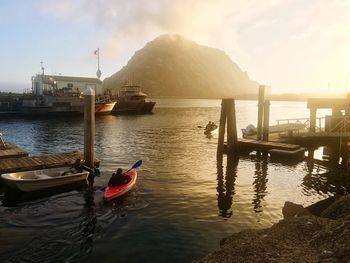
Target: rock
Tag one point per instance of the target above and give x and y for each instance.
(317, 208)
(339, 209)
(293, 210)
(306, 238)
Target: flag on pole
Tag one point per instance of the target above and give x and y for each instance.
(96, 51)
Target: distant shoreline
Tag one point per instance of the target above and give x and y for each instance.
(272, 97)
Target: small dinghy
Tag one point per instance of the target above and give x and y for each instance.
(42, 179)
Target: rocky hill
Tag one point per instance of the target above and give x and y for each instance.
(171, 65)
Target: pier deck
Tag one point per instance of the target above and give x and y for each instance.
(265, 146)
(12, 151)
(27, 163)
(274, 148)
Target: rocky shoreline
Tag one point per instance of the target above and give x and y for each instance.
(318, 233)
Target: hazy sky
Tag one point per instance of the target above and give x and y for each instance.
(290, 45)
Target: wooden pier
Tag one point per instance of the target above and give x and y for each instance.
(10, 150)
(261, 143)
(275, 149)
(27, 163)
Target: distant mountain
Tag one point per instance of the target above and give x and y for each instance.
(172, 65)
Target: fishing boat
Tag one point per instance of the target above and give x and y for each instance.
(52, 94)
(42, 179)
(130, 100)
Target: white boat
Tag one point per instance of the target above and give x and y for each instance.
(43, 179)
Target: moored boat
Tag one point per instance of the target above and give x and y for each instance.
(130, 100)
(42, 179)
(53, 94)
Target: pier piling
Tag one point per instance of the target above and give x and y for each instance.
(228, 113)
(222, 126)
(266, 120)
(260, 111)
(232, 142)
(89, 128)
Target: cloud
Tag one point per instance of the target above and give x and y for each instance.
(128, 21)
(277, 41)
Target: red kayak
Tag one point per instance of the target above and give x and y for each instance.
(112, 192)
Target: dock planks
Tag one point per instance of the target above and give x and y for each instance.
(276, 149)
(28, 163)
(266, 146)
(12, 151)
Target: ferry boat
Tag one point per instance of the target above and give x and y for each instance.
(130, 100)
(53, 94)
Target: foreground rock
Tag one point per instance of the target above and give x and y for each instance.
(300, 238)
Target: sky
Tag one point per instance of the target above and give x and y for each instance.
(293, 46)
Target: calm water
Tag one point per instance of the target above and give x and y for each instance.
(185, 200)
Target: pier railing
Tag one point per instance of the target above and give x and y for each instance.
(328, 125)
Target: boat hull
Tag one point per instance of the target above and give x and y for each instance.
(112, 192)
(134, 108)
(43, 179)
(104, 108)
(100, 109)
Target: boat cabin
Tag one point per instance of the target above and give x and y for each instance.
(131, 93)
(53, 85)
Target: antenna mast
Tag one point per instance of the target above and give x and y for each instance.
(98, 73)
(42, 68)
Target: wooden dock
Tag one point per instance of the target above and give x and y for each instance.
(274, 148)
(12, 151)
(27, 163)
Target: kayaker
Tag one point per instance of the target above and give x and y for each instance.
(118, 178)
(209, 125)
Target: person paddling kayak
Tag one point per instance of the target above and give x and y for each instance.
(118, 178)
(113, 191)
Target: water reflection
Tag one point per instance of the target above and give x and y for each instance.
(324, 181)
(260, 181)
(13, 197)
(226, 188)
(88, 224)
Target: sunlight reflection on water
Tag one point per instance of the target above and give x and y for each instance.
(185, 200)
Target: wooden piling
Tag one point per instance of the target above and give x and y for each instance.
(232, 142)
(260, 111)
(313, 119)
(266, 121)
(89, 126)
(222, 126)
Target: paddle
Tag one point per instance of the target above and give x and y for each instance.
(136, 165)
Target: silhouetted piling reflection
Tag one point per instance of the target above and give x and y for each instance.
(88, 224)
(323, 181)
(226, 188)
(260, 181)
